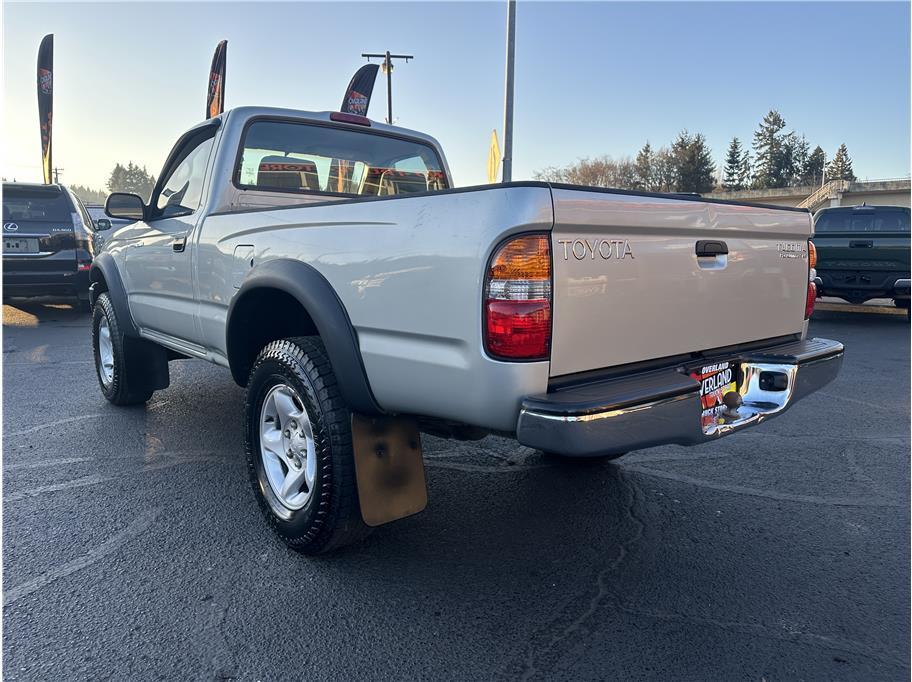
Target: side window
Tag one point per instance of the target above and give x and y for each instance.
(86, 218)
(182, 190)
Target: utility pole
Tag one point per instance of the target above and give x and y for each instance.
(508, 96)
(387, 67)
(57, 172)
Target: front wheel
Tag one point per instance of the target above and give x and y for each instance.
(299, 448)
(122, 377)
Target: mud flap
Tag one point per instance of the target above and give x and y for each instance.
(388, 467)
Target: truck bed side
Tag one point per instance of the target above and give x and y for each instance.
(409, 272)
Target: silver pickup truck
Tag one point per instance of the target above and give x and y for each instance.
(329, 263)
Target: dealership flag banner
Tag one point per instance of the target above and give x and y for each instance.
(215, 99)
(46, 101)
(493, 158)
(358, 95)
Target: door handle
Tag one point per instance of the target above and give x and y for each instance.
(711, 248)
(861, 243)
(178, 245)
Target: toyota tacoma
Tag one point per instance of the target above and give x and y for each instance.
(328, 262)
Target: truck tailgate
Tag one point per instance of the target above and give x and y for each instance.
(862, 251)
(629, 286)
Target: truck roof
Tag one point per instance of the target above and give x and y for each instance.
(324, 116)
(33, 185)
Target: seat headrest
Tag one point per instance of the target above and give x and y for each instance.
(288, 173)
(387, 181)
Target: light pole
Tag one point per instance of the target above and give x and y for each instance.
(387, 67)
(508, 95)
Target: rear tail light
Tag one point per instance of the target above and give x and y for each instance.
(809, 303)
(518, 299)
(812, 275)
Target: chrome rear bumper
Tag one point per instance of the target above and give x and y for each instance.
(663, 406)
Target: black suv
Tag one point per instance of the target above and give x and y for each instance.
(47, 243)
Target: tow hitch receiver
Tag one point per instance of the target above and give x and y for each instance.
(389, 468)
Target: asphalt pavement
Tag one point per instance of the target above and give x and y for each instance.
(133, 547)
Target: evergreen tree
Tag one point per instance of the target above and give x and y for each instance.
(812, 173)
(733, 171)
(840, 168)
(88, 195)
(744, 178)
(131, 178)
(694, 167)
(797, 152)
(643, 168)
(768, 152)
(116, 180)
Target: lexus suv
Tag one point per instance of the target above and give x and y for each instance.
(47, 243)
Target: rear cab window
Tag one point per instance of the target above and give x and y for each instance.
(47, 204)
(307, 158)
(871, 219)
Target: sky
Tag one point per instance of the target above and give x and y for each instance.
(592, 78)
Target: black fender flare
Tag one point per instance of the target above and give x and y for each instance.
(104, 267)
(317, 296)
(150, 358)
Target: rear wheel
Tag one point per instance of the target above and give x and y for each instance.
(122, 380)
(299, 448)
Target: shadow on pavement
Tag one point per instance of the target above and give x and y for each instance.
(31, 312)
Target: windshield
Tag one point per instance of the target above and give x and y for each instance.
(864, 220)
(35, 203)
(297, 157)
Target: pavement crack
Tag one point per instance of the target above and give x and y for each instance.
(94, 479)
(604, 592)
(109, 546)
(770, 494)
(47, 425)
(47, 463)
(771, 632)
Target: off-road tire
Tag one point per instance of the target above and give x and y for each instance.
(128, 386)
(331, 518)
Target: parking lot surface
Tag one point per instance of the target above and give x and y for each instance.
(133, 546)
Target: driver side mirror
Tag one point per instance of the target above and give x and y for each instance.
(126, 206)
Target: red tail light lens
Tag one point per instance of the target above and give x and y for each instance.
(809, 303)
(518, 300)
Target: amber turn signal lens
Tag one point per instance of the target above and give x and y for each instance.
(525, 258)
(812, 255)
